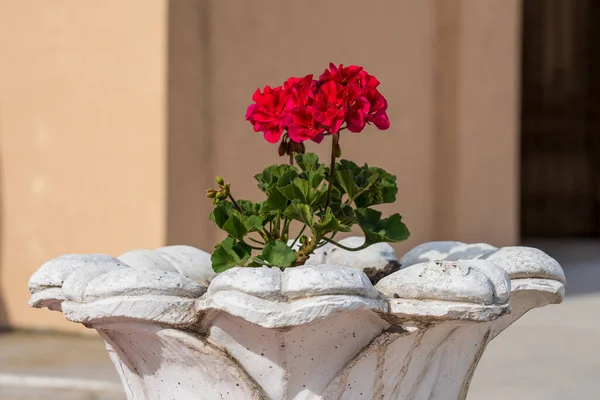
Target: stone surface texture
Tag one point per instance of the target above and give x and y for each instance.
(175, 330)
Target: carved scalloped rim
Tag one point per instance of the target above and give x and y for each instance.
(553, 289)
(171, 310)
(156, 289)
(277, 314)
(294, 283)
(463, 281)
(423, 311)
(527, 262)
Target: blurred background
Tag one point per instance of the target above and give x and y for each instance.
(115, 115)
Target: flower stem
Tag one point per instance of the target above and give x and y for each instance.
(324, 242)
(341, 246)
(292, 158)
(256, 241)
(252, 247)
(235, 204)
(334, 143)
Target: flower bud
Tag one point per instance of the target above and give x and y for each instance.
(221, 196)
(219, 180)
(299, 148)
(210, 193)
(337, 150)
(283, 148)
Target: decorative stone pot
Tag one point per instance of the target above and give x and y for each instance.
(174, 330)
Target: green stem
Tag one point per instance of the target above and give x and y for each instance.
(341, 246)
(256, 241)
(235, 204)
(334, 142)
(252, 247)
(298, 237)
(265, 235)
(277, 231)
(305, 252)
(286, 227)
(330, 237)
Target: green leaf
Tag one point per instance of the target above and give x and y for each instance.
(344, 213)
(275, 175)
(278, 254)
(348, 165)
(276, 201)
(312, 170)
(300, 191)
(382, 187)
(297, 190)
(228, 254)
(329, 223)
(235, 225)
(300, 212)
(377, 230)
(220, 214)
(287, 177)
(249, 207)
(336, 194)
(346, 180)
(238, 225)
(314, 178)
(308, 161)
(254, 223)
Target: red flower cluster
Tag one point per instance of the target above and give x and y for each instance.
(310, 109)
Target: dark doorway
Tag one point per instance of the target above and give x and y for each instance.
(560, 133)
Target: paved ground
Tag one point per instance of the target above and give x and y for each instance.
(550, 354)
(51, 367)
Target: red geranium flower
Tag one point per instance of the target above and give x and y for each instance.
(300, 91)
(358, 108)
(340, 74)
(267, 114)
(302, 125)
(329, 108)
(310, 109)
(377, 112)
(366, 81)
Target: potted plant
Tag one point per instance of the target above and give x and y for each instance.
(284, 309)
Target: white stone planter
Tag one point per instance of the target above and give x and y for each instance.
(311, 332)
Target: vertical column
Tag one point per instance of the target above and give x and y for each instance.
(478, 113)
(190, 151)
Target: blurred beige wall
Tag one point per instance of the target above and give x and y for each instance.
(116, 115)
(82, 125)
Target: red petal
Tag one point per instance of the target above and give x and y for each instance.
(272, 136)
(319, 138)
(330, 91)
(250, 111)
(380, 120)
(335, 125)
(256, 96)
